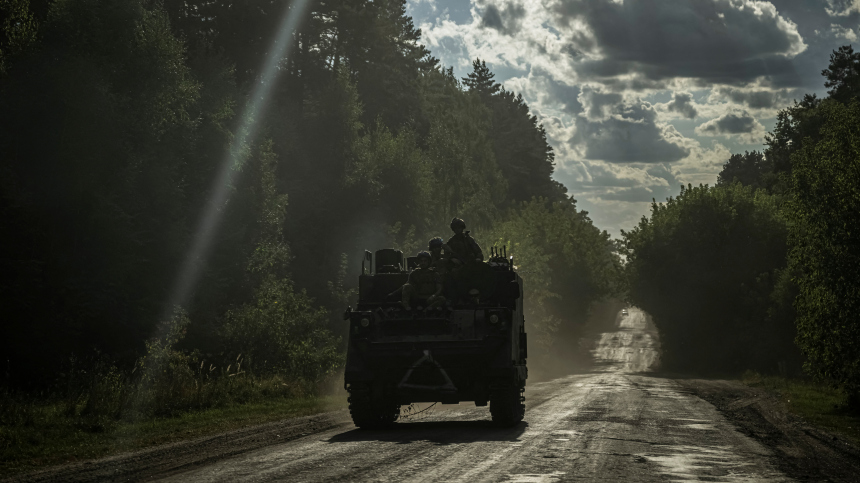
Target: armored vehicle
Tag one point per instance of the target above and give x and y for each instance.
(473, 348)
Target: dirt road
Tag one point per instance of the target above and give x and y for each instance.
(611, 425)
(616, 423)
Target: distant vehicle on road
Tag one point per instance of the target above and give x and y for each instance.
(471, 349)
(623, 312)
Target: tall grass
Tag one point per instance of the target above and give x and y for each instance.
(817, 403)
(98, 397)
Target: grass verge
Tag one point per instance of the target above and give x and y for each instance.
(55, 439)
(818, 404)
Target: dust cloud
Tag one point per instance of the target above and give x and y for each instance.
(633, 347)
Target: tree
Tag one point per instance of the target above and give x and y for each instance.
(480, 80)
(824, 208)
(18, 29)
(98, 139)
(706, 266)
(800, 124)
(843, 74)
(566, 263)
(749, 169)
(522, 151)
(115, 120)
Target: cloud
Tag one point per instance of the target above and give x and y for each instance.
(619, 131)
(756, 98)
(719, 41)
(618, 84)
(740, 124)
(506, 20)
(841, 32)
(702, 165)
(842, 8)
(682, 103)
(617, 195)
(598, 106)
(546, 94)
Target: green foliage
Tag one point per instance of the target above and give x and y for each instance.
(19, 30)
(392, 175)
(843, 74)
(38, 433)
(95, 153)
(749, 169)
(480, 80)
(116, 119)
(824, 208)
(796, 126)
(709, 267)
(566, 264)
(522, 152)
(281, 331)
(815, 402)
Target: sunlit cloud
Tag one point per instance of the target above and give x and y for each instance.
(635, 84)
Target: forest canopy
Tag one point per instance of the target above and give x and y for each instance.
(759, 271)
(116, 120)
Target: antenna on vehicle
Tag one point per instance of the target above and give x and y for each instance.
(368, 257)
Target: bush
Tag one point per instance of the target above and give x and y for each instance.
(824, 208)
(281, 332)
(709, 266)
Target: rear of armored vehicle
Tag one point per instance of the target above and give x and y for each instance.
(472, 351)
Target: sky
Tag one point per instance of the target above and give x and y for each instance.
(641, 96)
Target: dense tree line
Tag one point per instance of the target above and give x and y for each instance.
(116, 117)
(770, 254)
(706, 266)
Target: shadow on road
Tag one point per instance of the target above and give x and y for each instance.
(438, 432)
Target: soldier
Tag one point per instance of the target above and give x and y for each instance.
(440, 261)
(463, 248)
(423, 283)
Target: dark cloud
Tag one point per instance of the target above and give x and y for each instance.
(732, 123)
(720, 41)
(757, 99)
(599, 105)
(628, 134)
(506, 21)
(682, 103)
(654, 192)
(561, 97)
(566, 97)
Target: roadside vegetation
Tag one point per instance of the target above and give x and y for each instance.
(760, 271)
(817, 403)
(48, 431)
(115, 120)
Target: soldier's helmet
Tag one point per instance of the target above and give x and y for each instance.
(458, 223)
(424, 255)
(435, 243)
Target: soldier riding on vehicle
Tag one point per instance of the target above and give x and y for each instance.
(464, 249)
(424, 285)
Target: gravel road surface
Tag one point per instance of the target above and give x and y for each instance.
(619, 422)
(616, 424)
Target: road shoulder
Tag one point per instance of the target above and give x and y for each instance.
(177, 457)
(801, 450)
